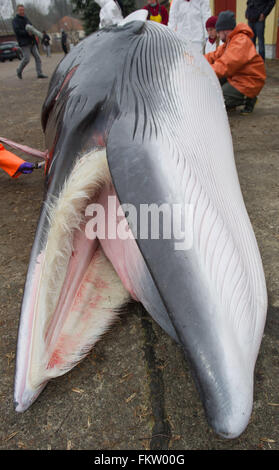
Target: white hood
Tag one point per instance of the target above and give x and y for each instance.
(110, 13)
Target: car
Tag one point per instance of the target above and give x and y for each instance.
(9, 51)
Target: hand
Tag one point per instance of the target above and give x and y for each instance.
(261, 17)
(26, 168)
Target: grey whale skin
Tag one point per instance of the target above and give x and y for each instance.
(154, 107)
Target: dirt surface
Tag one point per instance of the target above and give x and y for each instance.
(134, 391)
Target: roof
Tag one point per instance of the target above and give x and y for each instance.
(68, 24)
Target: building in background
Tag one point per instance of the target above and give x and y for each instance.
(72, 27)
(271, 25)
(6, 30)
(75, 31)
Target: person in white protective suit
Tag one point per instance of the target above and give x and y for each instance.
(110, 13)
(187, 18)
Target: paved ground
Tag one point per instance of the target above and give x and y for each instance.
(134, 391)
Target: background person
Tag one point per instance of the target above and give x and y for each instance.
(46, 43)
(110, 12)
(256, 13)
(64, 41)
(27, 42)
(121, 6)
(187, 18)
(237, 64)
(213, 40)
(156, 12)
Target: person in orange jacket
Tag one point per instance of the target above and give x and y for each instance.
(237, 64)
(14, 165)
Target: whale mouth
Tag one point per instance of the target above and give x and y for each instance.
(74, 293)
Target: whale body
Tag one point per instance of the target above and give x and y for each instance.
(134, 118)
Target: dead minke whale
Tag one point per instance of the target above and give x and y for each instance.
(134, 116)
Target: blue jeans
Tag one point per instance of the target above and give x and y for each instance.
(258, 30)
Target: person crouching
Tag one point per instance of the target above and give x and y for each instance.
(237, 64)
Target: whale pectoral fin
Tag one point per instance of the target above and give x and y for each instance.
(133, 170)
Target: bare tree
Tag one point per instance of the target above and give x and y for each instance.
(36, 16)
(14, 5)
(6, 9)
(58, 9)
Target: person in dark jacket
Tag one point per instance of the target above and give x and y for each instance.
(64, 41)
(27, 42)
(256, 13)
(46, 43)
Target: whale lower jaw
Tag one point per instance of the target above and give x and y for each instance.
(73, 293)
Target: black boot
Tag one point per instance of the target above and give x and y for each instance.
(249, 106)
